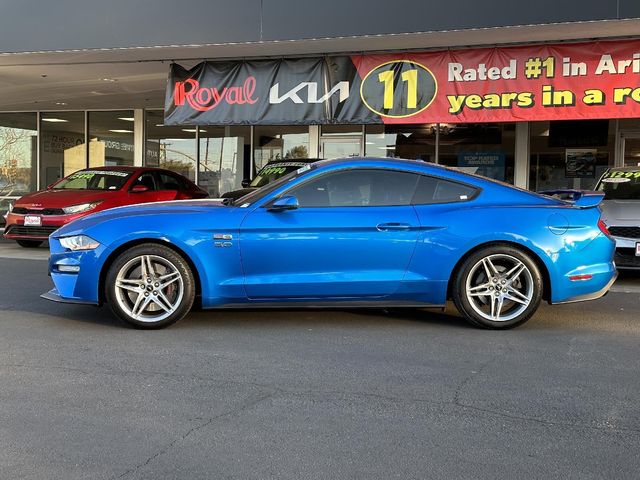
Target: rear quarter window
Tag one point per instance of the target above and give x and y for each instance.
(433, 190)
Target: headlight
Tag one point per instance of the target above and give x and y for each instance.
(79, 242)
(83, 207)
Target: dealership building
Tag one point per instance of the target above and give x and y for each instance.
(538, 94)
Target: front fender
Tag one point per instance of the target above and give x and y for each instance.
(218, 270)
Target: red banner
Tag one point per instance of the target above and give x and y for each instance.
(545, 82)
(541, 82)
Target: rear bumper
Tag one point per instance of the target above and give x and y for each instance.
(584, 273)
(592, 295)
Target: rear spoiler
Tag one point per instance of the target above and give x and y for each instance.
(580, 198)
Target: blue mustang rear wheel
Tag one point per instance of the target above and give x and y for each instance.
(498, 287)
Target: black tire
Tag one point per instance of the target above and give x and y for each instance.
(525, 286)
(30, 243)
(123, 302)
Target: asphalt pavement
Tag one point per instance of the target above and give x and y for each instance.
(315, 394)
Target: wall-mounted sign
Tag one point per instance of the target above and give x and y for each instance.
(580, 163)
(488, 164)
(542, 82)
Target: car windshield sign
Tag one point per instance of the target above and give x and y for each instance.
(94, 180)
(621, 185)
(272, 172)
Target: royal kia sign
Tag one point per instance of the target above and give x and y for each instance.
(542, 82)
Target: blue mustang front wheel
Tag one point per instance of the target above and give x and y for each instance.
(150, 286)
(498, 287)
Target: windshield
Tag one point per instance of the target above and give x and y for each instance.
(270, 173)
(93, 180)
(261, 192)
(621, 185)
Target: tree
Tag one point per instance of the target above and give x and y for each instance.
(299, 151)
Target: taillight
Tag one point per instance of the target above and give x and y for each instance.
(603, 228)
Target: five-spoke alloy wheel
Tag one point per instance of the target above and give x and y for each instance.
(498, 287)
(150, 286)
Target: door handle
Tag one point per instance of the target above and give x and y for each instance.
(385, 227)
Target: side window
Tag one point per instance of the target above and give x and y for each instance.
(147, 179)
(437, 190)
(169, 182)
(358, 188)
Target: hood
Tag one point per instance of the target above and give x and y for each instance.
(62, 198)
(175, 207)
(621, 212)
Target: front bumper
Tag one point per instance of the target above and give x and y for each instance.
(15, 229)
(625, 256)
(54, 296)
(79, 286)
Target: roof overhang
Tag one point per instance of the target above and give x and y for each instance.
(136, 77)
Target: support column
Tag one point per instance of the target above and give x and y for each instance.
(314, 141)
(437, 152)
(521, 166)
(138, 137)
(38, 152)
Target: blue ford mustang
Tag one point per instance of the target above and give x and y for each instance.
(341, 233)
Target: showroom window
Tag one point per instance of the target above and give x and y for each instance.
(18, 133)
(629, 132)
(570, 154)
(110, 138)
(224, 154)
(486, 149)
(62, 148)
(416, 142)
(170, 147)
(18, 137)
(340, 141)
(278, 142)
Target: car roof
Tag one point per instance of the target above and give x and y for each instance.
(624, 169)
(387, 162)
(423, 166)
(124, 168)
(129, 168)
(293, 160)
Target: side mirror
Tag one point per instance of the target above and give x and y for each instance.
(245, 183)
(288, 202)
(139, 189)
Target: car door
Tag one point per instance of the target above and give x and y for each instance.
(352, 236)
(171, 186)
(148, 180)
(438, 246)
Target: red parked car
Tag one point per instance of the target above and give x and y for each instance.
(32, 218)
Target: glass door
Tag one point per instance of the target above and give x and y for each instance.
(631, 149)
(340, 147)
